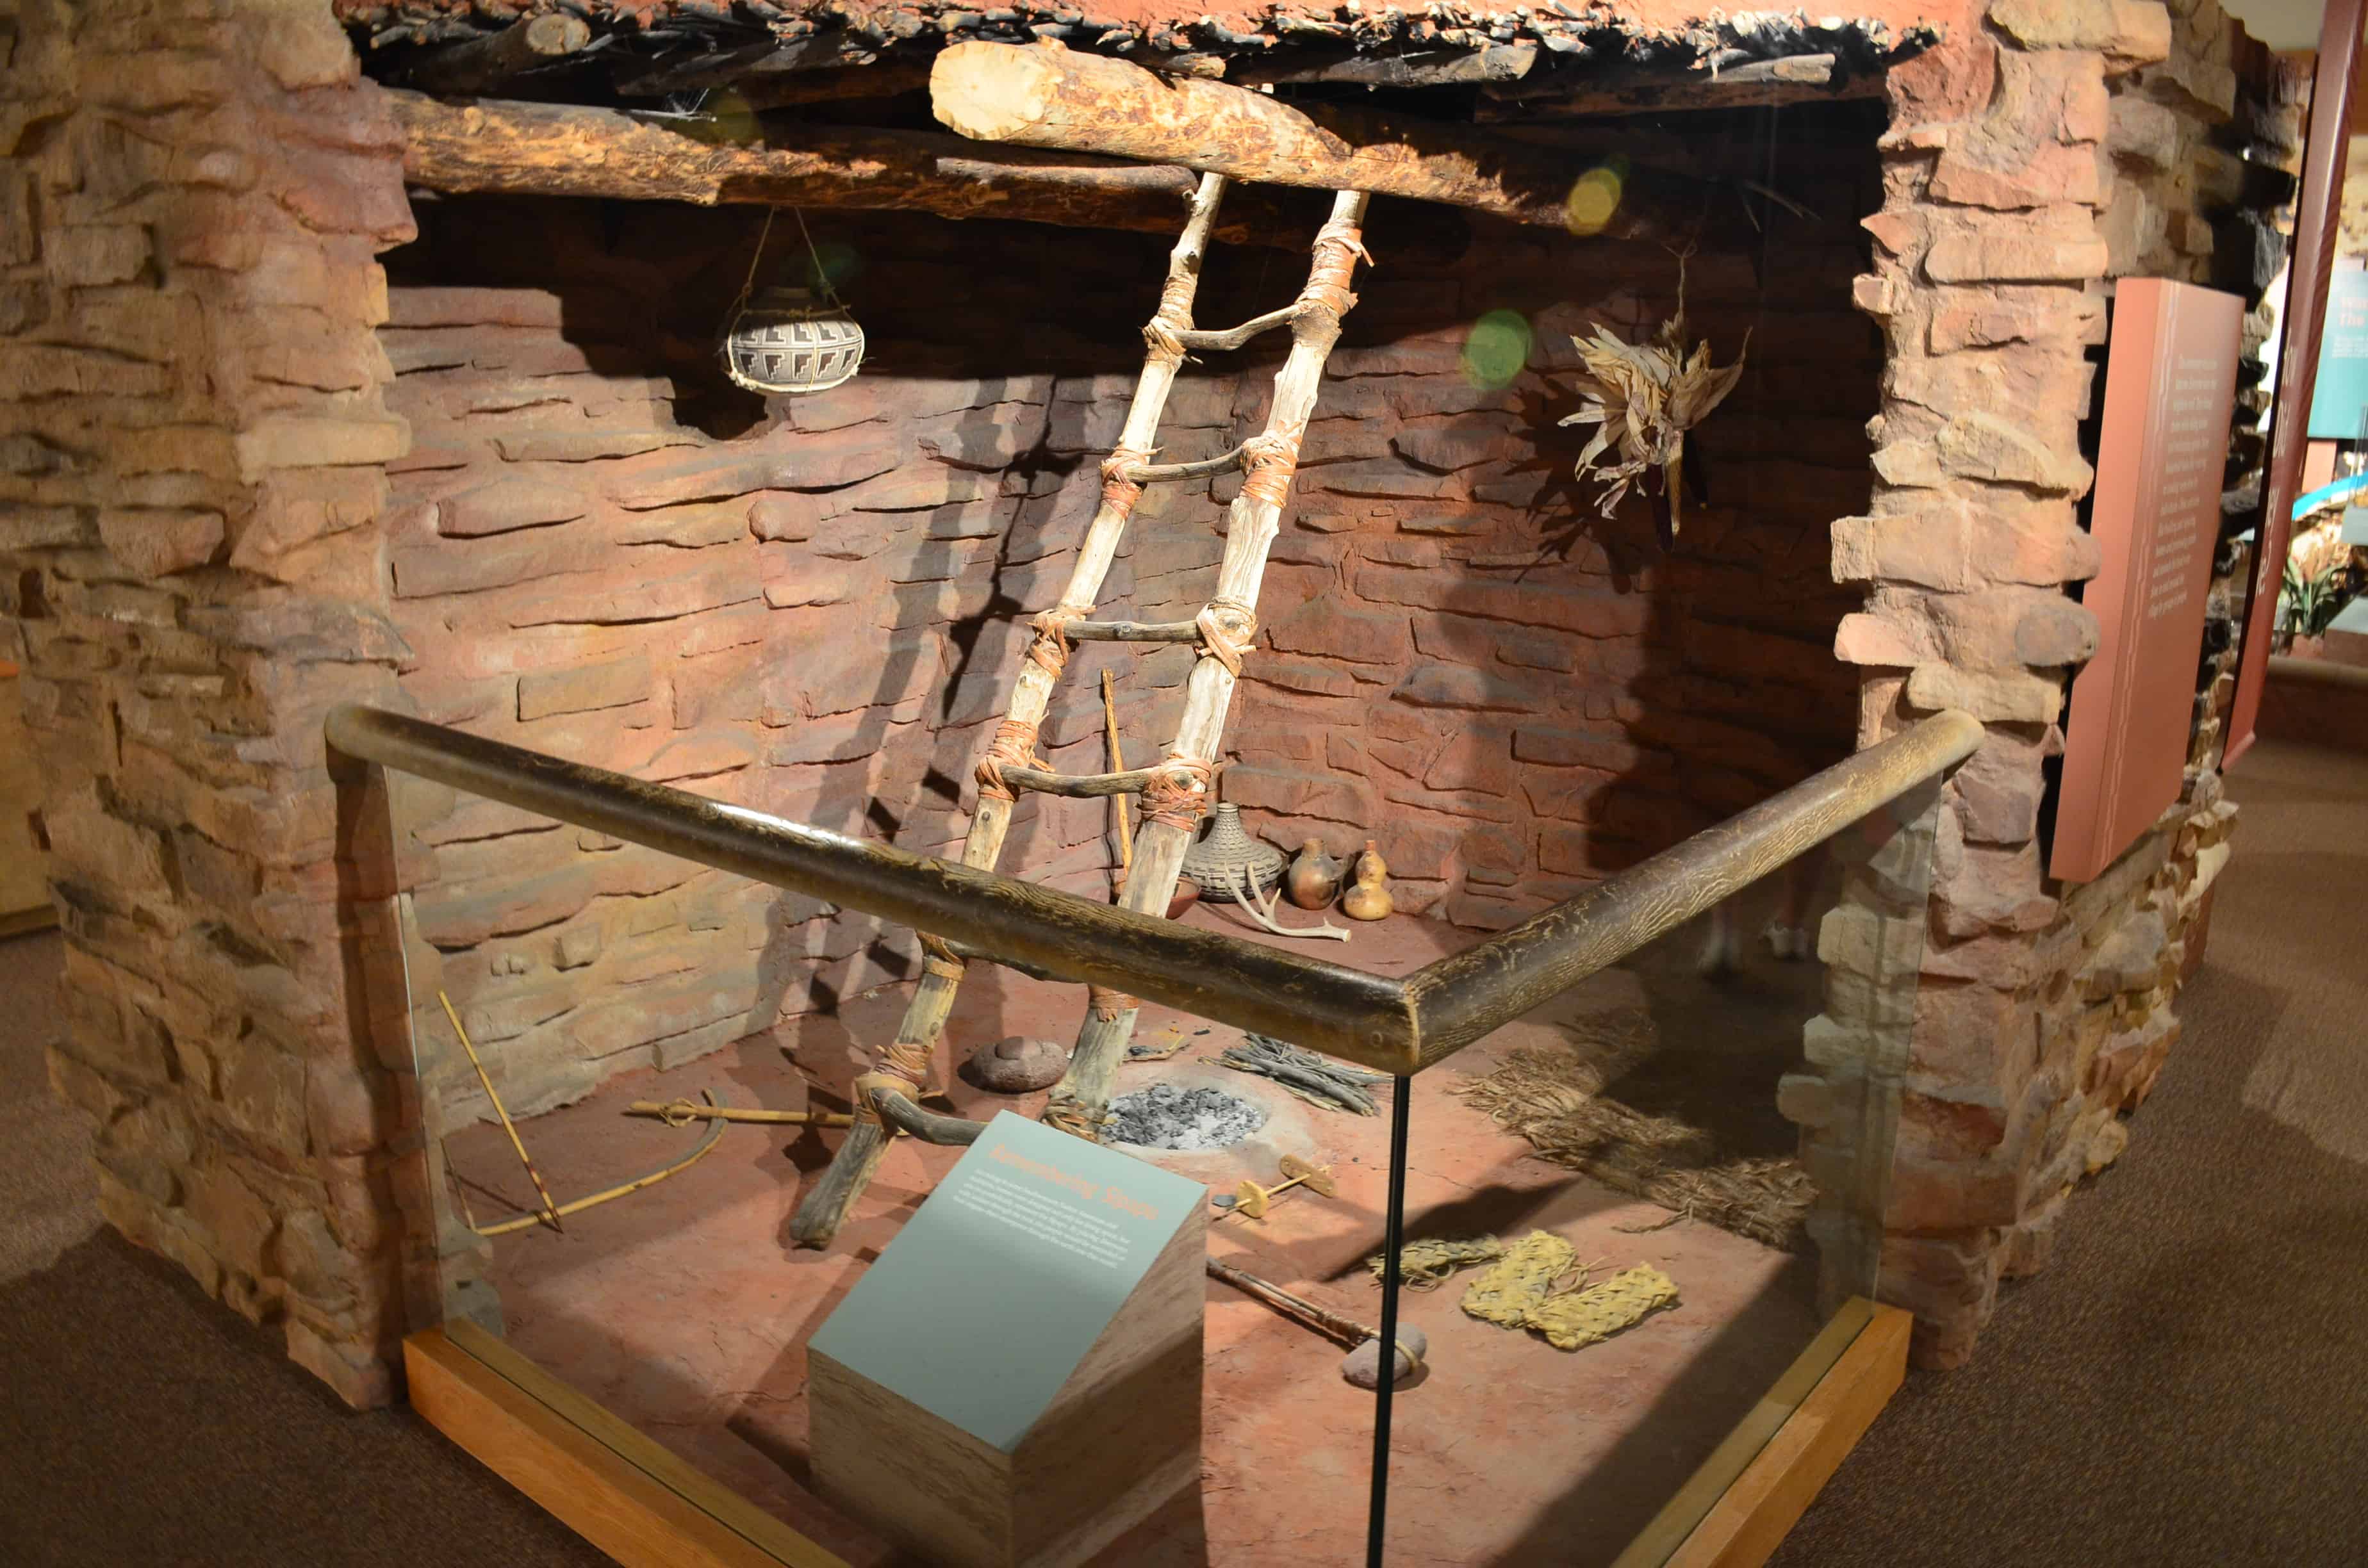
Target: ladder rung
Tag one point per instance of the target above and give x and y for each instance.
(1201, 468)
(1133, 630)
(1085, 785)
(1233, 337)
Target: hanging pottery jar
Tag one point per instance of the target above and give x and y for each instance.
(1368, 899)
(1228, 857)
(785, 340)
(1313, 879)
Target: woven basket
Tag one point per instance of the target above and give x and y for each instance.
(787, 341)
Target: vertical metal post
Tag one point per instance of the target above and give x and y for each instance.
(1377, 1513)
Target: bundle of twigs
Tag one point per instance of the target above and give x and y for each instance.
(1318, 1080)
(1554, 1099)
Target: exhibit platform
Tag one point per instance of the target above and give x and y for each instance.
(685, 1312)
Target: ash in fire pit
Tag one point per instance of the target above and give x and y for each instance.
(1166, 1117)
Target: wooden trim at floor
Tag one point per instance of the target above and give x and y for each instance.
(1753, 1487)
(647, 1508)
(626, 1495)
(22, 922)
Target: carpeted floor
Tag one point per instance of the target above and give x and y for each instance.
(141, 1424)
(2187, 1384)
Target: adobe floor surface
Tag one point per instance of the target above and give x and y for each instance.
(684, 1310)
(2181, 1386)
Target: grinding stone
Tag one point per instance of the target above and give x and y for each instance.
(1017, 1063)
(1362, 1366)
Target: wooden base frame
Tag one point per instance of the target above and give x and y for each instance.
(22, 922)
(598, 1476)
(1748, 1495)
(646, 1508)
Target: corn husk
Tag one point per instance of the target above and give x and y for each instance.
(1643, 398)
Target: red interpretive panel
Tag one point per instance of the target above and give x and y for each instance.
(2170, 383)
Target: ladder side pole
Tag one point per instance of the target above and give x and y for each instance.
(1080, 1102)
(903, 1066)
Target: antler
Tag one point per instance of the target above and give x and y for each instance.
(1244, 883)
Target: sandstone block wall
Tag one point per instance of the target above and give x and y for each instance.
(192, 193)
(1461, 659)
(599, 550)
(2025, 167)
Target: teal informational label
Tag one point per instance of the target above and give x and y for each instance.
(2340, 395)
(992, 1293)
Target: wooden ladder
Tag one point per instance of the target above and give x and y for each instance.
(1174, 791)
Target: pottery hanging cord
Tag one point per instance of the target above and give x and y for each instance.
(748, 284)
(782, 343)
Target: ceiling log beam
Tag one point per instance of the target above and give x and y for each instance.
(528, 149)
(1053, 97)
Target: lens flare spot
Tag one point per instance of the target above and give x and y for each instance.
(831, 265)
(1595, 197)
(1496, 350)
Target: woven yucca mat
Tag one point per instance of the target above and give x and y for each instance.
(1538, 1283)
(1553, 1097)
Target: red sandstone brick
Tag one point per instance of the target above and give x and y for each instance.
(1323, 628)
(509, 502)
(583, 688)
(715, 477)
(1950, 83)
(2130, 33)
(2045, 177)
(2014, 258)
(159, 543)
(785, 516)
(1986, 317)
(1982, 446)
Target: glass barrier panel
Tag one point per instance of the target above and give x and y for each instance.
(1625, 1214)
(1631, 1211)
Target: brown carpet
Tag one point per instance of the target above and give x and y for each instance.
(143, 1424)
(2187, 1384)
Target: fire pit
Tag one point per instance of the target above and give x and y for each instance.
(1168, 1116)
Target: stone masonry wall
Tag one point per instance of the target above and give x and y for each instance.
(1515, 697)
(2025, 165)
(223, 511)
(191, 196)
(601, 550)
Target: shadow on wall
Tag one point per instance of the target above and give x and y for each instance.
(1515, 695)
(818, 615)
(601, 550)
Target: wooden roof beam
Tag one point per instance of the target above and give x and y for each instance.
(526, 149)
(1053, 98)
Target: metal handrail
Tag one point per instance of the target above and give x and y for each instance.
(1395, 1024)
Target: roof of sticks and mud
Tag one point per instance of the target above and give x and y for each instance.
(1472, 58)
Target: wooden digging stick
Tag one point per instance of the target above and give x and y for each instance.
(1118, 764)
(1080, 1100)
(549, 1210)
(1332, 1325)
(823, 1206)
(682, 1113)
